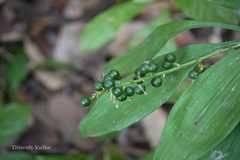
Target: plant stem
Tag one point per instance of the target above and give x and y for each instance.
(181, 66)
(169, 71)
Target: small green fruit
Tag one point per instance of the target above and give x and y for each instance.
(156, 81)
(114, 74)
(193, 75)
(108, 84)
(140, 72)
(122, 98)
(99, 86)
(152, 67)
(167, 65)
(170, 58)
(144, 69)
(85, 101)
(129, 91)
(117, 91)
(107, 77)
(140, 89)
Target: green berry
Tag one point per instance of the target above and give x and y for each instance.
(144, 65)
(152, 67)
(193, 75)
(156, 81)
(167, 65)
(170, 58)
(122, 98)
(140, 72)
(85, 101)
(117, 91)
(144, 69)
(129, 91)
(99, 86)
(140, 89)
(107, 77)
(114, 74)
(107, 84)
(148, 67)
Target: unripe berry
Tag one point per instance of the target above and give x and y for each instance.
(122, 98)
(99, 86)
(129, 91)
(140, 89)
(170, 58)
(152, 67)
(140, 73)
(156, 81)
(114, 74)
(167, 65)
(117, 91)
(108, 84)
(193, 75)
(85, 101)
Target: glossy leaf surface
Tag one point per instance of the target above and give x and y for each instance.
(205, 114)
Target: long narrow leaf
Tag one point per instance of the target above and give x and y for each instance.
(13, 120)
(126, 64)
(102, 28)
(211, 10)
(228, 149)
(205, 114)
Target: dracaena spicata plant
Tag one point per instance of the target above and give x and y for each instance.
(204, 122)
(120, 91)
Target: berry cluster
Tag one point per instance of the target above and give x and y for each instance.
(111, 81)
(146, 71)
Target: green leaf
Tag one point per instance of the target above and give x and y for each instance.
(102, 28)
(139, 36)
(127, 63)
(13, 120)
(227, 11)
(16, 70)
(205, 114)
(228, 149)
(104, 117)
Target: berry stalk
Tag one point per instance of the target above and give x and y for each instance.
(181, 66)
